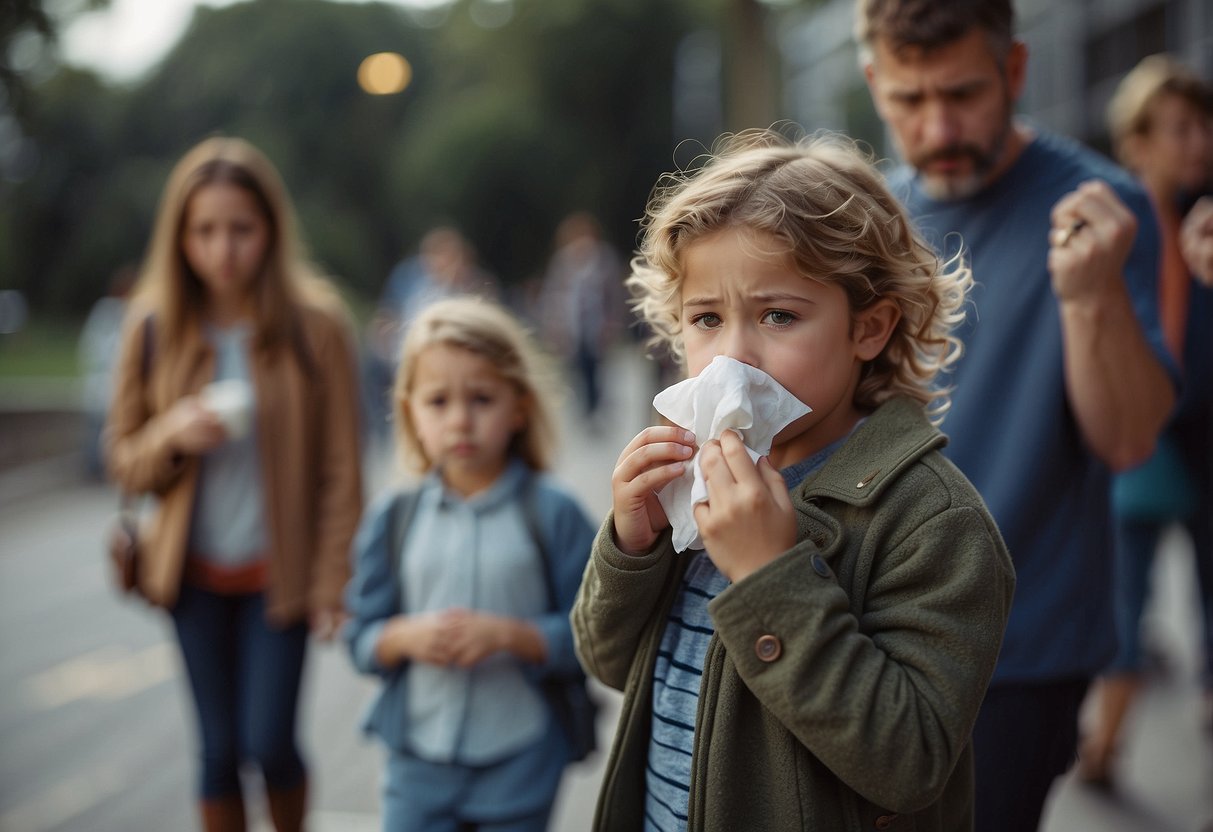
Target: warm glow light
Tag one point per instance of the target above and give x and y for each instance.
(384, 73)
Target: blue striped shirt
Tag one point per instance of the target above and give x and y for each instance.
(677, 676)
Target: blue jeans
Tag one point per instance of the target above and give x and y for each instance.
(515, 795)
(245, 677)
(1136, 546)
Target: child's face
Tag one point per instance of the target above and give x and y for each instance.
(465, 415)
(225, 237)
(758, 310)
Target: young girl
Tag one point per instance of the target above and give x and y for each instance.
(258, 495)
(820, 663)
(462, 589)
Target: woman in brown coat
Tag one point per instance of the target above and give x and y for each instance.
(235, 407)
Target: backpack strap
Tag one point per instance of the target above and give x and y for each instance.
(400, 517)
(530, 514)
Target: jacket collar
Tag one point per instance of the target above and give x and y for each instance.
(895, 436)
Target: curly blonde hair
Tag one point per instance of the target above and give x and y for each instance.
(823, 199)
(486, 329)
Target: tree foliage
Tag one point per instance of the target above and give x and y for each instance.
(502, 131)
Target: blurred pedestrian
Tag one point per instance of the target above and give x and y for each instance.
(444, 266)
(1161, 123)
(462, 587)
(583, 302)
(96, 352)
(1065, 376)
(817, 663)
(258, 487)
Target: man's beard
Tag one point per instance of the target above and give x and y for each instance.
(961, 186)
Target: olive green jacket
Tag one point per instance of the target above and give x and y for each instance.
(841, 686)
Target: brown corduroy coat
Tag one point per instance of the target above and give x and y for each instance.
(306, 425)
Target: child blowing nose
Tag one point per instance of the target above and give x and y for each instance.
(816, 657)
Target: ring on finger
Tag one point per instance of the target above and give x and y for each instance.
(1064, 235)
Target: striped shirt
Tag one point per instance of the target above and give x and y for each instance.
(677, 676)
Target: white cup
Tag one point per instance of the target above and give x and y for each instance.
(231, 400)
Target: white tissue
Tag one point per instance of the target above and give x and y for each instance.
(726, 395)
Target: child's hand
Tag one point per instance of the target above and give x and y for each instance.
(473, 636)
(421, 637)
(657, 456)
(748, 520)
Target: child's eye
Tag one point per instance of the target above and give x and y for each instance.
(436, 401)
(779, 317)
(482, 399)
(707, 320)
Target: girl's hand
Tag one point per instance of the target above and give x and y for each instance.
(748, 520)
(421, 637)
(192, 429)
(475, 636)
(656, 457)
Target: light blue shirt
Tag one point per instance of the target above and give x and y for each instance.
(228, 526)
(477, 554)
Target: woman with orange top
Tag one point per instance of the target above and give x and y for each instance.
(1161, 121)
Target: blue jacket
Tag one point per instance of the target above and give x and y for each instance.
(373, 597)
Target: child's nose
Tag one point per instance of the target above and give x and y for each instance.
(461, 414)
(739, 347)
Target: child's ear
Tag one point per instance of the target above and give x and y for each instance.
(874, 326)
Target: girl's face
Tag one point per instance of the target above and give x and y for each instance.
(758, 310)
(225, 238)
(465, 414)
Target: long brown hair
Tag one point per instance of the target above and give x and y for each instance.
(168, 286)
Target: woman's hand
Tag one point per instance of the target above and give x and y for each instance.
(326, 624)
(192, 429)
(748, 520)
(656, 457)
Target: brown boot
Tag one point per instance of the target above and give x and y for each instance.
(223, 814)
(288, 807)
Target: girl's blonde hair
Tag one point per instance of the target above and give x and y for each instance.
(169, 286)
(821, 198)
(486, 329)
(1131, 109)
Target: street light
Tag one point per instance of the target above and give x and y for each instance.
(384, 73)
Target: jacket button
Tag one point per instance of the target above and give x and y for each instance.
(820, 566)
(768, 648)
(885, 821)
